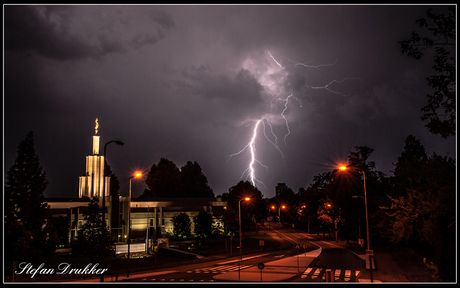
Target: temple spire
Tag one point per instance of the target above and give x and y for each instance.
(96, 140)
(97, 125)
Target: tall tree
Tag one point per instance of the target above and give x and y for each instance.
(163, 180)
(89, 240)
(29, 234)
(194, 183)
(407, 168)
(440, 110)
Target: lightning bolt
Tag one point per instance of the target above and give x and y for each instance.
(250, 148)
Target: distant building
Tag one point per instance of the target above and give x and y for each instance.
(281, 188)
(150, 218)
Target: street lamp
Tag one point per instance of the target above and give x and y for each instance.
(136, 175)
(103, 204)
(368, 251)
(239, 217)
(279, 217)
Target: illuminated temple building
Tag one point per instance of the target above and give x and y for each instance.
(150, 218)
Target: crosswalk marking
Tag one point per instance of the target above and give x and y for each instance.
(219, 269)
(337, 274)
(314, 273)
(347, 273)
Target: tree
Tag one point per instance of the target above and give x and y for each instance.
(203, 224)
(406, 169)
(89, 239)
(424, 217)
(440, 110)
(29, 233)
(114, 182)
(253, 210)
(308, 200)
(182, 225)
(194, 183)
(62, 228)
(163, 180)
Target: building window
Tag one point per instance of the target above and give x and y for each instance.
(163, 221)
(151, 222)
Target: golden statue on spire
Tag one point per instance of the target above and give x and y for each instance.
(97, 125)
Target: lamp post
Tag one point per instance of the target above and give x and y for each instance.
(329, 206)
(368, 251)
(136, 175)
(239, 218)
(103, 204)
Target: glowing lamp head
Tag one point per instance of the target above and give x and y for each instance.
(247, 199)
(283, 207)
(328, 205)
(137, 175)
(343, 167)
(273, 207)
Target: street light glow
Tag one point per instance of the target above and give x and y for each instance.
(247, 199)
(343, 167)
(137, 175)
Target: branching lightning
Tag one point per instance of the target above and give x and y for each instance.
(250, 172)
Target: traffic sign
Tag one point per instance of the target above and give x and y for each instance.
(261, 242)
(369, 252)
(261, 266)
(297, 245)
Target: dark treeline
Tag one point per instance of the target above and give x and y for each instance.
(166, 180)
(414, 208)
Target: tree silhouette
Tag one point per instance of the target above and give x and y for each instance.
(193, 181)
(163, 180)
(89, 240)
(440, 110)
(29, 234)
(203, 225)
(182, 225)
(166, 180)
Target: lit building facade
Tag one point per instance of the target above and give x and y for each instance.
(150, 218)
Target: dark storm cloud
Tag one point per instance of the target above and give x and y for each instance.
(188, 83)
(56, 31)
(240, 93)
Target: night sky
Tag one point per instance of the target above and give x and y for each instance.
(190, 83)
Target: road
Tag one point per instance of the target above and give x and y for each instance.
(344, 266)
